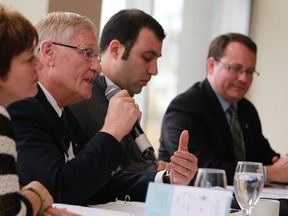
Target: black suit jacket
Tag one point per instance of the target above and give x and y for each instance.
(93, 176)
(199, 111)
(91, 116)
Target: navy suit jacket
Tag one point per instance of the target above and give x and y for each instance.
(93, 176)
(199, 111)
(91, 116)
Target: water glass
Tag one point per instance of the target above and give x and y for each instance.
(208, 177)
(248, 184)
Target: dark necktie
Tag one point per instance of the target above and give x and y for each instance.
(67, 133)
(237, 135)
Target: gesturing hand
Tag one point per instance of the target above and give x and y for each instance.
(183, 163)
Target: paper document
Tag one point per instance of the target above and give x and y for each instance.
(87, 211)
(274, 193)
(133, 208)
(269, 192)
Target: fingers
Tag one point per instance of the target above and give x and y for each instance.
(183, 141)
(122, 113)
(178, 178)
(184, 167)
(182, 164)
(47, 196)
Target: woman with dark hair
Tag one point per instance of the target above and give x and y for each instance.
(18, 80)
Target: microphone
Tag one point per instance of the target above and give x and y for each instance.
(140, 138)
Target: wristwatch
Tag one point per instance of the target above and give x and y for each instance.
(166, 177)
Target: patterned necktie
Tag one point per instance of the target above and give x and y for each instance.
(237, 135)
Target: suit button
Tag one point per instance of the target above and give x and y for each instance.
(113, 173)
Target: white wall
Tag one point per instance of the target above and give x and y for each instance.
(203, 21)
(269, 91)
(31, 9)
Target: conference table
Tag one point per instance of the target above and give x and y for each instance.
(131, 208)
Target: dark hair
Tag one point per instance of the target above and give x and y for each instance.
(218, 45)
(125, 26)
(17, 35)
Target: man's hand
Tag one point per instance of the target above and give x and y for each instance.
(275, 159)
(278, 171)
(121, 116)
(183, 164)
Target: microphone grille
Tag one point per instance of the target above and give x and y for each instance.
(111, 90)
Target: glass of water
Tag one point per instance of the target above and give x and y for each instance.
(248, 184)
(208, 178)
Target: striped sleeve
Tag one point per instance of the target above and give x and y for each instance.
(11, 201)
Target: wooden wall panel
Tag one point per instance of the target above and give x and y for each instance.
(89, 8)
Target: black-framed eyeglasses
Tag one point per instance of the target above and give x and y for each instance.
(89, 54)
(239, 70)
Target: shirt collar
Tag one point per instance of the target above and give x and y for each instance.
(224, 104)
(51, 100)
(108, 81)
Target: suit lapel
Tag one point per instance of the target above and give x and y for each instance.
(218, 115)
(53, 119)
(50, 117)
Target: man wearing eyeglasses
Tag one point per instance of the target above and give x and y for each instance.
(49, 139)
(224, 127)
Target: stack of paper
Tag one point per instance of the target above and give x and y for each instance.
(87, 211)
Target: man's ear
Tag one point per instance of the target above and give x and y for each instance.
(46, 52)
(210, 65)
(115, 49)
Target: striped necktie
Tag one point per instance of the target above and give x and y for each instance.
(236, 132)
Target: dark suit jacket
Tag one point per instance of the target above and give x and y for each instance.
(199, 111)
(91, 116)
(94, 175)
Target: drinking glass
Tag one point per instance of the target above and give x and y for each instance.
(207, 178)
(248, 184)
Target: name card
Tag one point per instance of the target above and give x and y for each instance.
(170, 200)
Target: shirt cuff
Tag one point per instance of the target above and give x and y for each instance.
(158, 177)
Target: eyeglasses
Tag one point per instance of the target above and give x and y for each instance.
(89, 54)
(239, 70)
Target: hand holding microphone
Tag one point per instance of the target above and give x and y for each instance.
(121, 115)
(137, 132)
